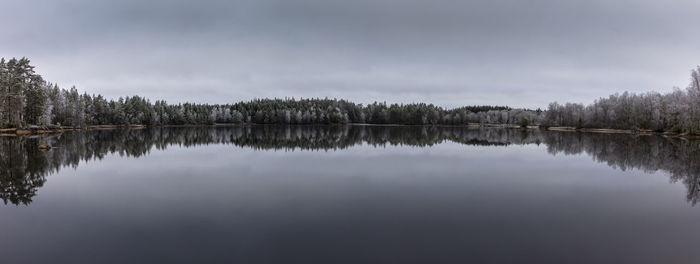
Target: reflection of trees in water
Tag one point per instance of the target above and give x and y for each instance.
(23, 168)
(680, 158)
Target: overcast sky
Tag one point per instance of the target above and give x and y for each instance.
(506, 52)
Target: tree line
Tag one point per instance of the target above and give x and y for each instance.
(29, 100)
(677, 111)
(26, 99)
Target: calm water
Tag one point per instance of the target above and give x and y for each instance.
(348, 195)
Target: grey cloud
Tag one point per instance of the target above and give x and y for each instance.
(521, 53)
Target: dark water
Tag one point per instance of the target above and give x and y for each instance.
(348, 195)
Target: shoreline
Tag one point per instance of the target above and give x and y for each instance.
(56, 129)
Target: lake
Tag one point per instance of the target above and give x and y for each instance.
(348, 194)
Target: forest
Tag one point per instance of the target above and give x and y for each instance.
(678, 111)
(26, 100)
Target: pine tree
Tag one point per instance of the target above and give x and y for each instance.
(35, 104)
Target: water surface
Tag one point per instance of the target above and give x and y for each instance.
(348, 194)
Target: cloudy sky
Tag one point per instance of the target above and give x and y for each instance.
(523, 53)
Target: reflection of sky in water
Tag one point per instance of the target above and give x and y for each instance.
(447, 203)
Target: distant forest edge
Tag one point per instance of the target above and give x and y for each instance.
(27, 100)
